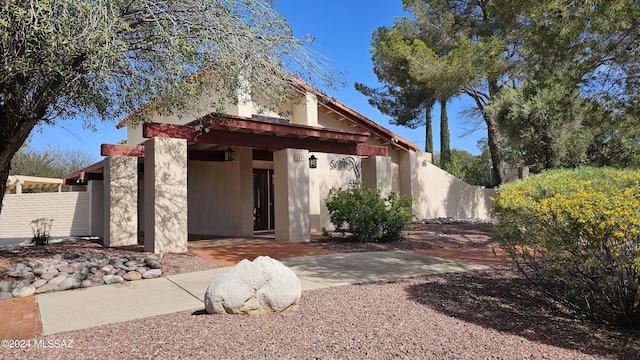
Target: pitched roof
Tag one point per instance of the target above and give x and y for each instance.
(344, 111)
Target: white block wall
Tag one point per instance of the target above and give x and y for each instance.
(69, 211)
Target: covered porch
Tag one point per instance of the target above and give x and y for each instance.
(199, 178)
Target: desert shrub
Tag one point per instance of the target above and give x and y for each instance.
(576, 235)
(362, 214)
(41, 229)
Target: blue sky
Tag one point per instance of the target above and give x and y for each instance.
(342, 29)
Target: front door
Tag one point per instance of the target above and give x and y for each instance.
(263, 200)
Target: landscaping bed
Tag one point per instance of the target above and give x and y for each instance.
(492, 313)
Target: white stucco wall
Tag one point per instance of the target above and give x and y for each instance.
(69, 211)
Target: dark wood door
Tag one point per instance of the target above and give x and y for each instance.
(263, 200)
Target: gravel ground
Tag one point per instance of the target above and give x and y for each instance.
(490, 314)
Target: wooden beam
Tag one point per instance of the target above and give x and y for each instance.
(285, 128)
(151, 130)
(372, 150)
(122, 150)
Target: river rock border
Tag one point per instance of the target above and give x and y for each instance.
(64, 273)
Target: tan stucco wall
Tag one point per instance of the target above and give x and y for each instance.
(322, 180)
(120, 201)
(437, 193)
(220, 196)
(69, 211)
(165, 196)
(291, 201)
(95, 188)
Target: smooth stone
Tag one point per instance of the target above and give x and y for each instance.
(142, 269)
(120, 273)
(34, 263)
(151, 257)
(154, 264)
(69, 283)
(8, 285)
(100, 273)
(19, 270)
(116, 262)
(67, 268)
(5, 295)
(53, 271)
(57, 280)
(27, 275)
(108, 268)
(86, 283)
(39, 283)
(57, 257)
(112, 279)
(38, 271)
(47, 276)
(23, 291)
(152, 274)
(97, 281)
(132, 276)
(47, 288)
(80, 273)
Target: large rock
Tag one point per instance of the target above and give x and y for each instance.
(23, 291)
(262, 287)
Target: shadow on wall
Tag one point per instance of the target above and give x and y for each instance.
(440, 194)
(169, 187)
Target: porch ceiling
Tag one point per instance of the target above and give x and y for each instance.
(218, 133)
(265, 135)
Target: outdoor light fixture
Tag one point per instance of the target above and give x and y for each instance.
(201, 129)
(228, 154)
(313, 162)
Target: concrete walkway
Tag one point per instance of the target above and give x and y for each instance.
(95, 306)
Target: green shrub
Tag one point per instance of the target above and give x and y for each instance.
(362, 214)
(576, 235)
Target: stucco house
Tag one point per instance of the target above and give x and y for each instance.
(249, 171)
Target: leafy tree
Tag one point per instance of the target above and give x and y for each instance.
(51, 162)
(408, 102)
(104, 59)
(589, 44)
(553, 126)
(445, 144)
(545, 127)
(461, 51)
(580, 65)
(473, 169)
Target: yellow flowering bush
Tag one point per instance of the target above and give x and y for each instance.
(576, 234)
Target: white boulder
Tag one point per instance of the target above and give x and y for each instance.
(262, 287)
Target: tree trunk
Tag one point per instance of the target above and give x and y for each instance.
(13, 133)
(495, 148)
(493, 137)
(445, 147)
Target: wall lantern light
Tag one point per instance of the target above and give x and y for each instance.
(313, 162)
(229, 154)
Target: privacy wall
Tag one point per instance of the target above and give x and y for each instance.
(69, 211)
